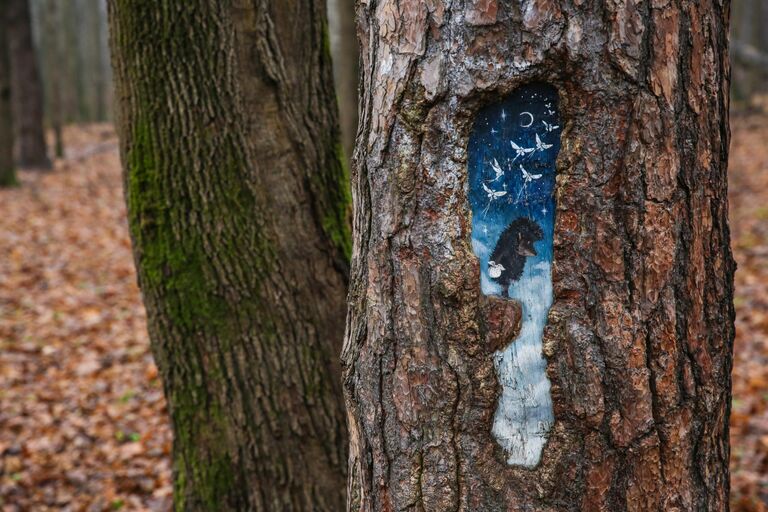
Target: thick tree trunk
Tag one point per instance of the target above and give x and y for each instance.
(7, 168)
(27, 88)
(238, 209)
(638, 341)
(345, 66)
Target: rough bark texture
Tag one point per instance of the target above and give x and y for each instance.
(640, 334)
(7, 168)
(238, 204)
(27, 88)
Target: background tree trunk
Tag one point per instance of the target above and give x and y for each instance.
(53, 60)
(345, 66)
(27, 88)
(238, 209)
(7, 168)
(639, 337)
(75, 104)
(96, 59)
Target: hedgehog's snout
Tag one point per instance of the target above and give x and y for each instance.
(526, 249)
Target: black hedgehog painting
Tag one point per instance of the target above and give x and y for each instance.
(514, 246)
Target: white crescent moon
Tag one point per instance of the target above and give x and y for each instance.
(529, 115)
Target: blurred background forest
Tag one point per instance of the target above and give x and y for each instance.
(82, 415)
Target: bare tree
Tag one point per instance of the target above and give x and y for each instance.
(27, 88)
(51, 42)
(74, 101)
(7, 167)
(345, 66)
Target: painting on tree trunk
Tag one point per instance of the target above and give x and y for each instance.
(512, 152)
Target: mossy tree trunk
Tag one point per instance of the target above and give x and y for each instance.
(27, 88)
(238, 210)
(7, 167)
(639, 338)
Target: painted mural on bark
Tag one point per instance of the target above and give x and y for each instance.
(512, 153)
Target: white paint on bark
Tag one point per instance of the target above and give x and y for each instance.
(524, 415)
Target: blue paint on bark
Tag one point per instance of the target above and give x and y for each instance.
(512, 152)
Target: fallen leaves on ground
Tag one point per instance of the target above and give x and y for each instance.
(748, 189)
(83, 425)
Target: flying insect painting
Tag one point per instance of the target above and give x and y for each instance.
(513, 147)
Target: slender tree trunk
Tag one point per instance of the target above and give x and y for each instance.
(94, 58)
(345, 66)
(27, 88)
(762, 40)
(108, 86)
(105, 95)
(7, 168)
(744, 31)
(76, 104)
(638, 339)
(52, 42)
(238, 203)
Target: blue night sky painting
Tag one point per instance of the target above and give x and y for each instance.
(513, 148)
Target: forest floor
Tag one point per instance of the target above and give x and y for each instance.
(748, 194)
(83, 424)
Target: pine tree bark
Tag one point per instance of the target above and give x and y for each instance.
(7, 167)
(27, 88)
(238, 208)
(639, 337)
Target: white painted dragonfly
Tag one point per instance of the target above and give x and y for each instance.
(541, 146)
(492, 196)
(527, 178)
(521, 151)
(497, 169)
(550, 127)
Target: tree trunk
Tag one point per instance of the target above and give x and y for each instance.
(95, 86)
(7, 168)
(52, 42)
(75, 104)
(27, 88)
(449, 409)
(238, 209)
(345, 66)
(743, 32)
(762, 39)
(105, 77)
